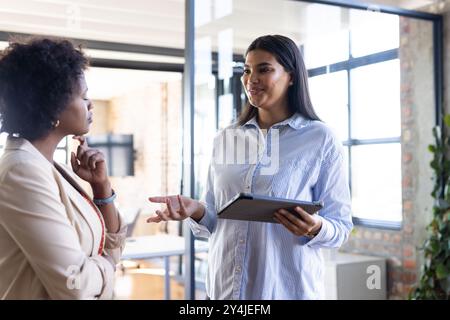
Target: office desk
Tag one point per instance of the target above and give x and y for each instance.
(159, 246)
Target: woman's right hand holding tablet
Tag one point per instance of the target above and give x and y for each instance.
(177, 208)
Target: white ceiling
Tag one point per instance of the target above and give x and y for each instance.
(161, 22)
(151, 22)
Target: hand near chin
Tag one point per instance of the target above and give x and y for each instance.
(89, 164)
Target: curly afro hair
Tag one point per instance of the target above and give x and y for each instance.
(38, 78)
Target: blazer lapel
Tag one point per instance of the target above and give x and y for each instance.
(79, 199)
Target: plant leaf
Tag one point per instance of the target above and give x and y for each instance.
(441, 271)
(432, 148)
(447, 120)
(434, 282)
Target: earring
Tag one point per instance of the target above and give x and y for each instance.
(55, 124)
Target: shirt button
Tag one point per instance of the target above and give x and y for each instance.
(241, 241)
(238, 269)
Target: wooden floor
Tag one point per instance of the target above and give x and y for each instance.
(147, 283)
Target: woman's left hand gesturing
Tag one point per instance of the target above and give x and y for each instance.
(304, 224)
(89, 164)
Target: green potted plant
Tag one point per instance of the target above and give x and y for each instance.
(434, 282)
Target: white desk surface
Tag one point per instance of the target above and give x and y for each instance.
(157, 246)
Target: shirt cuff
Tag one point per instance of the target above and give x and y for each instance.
(323, 234)
(205, 226)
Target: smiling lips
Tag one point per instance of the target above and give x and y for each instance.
(254, 91)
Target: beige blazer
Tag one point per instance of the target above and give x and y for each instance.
(50, 234)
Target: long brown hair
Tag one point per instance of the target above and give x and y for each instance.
(288, 55)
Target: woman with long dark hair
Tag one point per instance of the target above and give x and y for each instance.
(297, 157)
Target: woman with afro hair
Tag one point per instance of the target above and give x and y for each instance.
(56, 242)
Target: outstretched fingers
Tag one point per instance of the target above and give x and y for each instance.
(172, 213)
(155, 219)
(183, 211)
(158, 199)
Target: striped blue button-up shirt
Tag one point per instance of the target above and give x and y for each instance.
(295, 159)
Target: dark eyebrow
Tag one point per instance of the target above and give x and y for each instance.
(262, 64)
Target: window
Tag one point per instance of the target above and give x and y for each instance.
(61, 152)
(359, 97)
(373, 32)
(323, 47)
(375, 180)
(375, 100)
(335, 84)
(118, 150)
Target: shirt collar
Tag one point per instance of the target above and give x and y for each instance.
(296, 122)
(252, 122)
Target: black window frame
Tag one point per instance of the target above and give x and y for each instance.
(109, 145)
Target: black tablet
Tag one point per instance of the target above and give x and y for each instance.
(249, 207)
